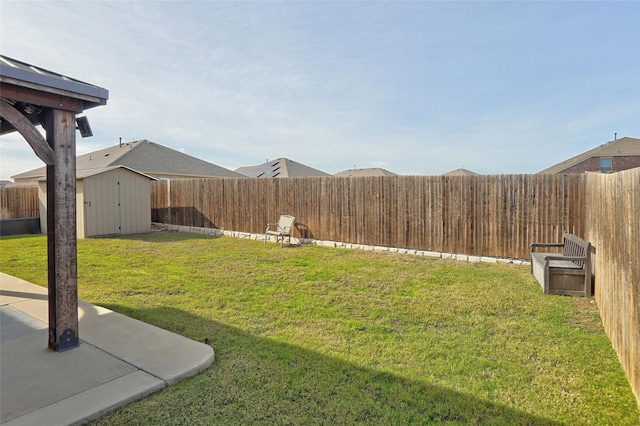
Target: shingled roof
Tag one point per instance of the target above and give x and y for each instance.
(280, 168)
(460, 172)
(143, 156)
(615, 148)
(373, 171)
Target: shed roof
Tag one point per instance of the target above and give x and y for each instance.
(143, 156)
(615, 148)
(373, 171)
(280, 167)
(82, 174)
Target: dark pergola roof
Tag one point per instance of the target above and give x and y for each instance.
(40, 88)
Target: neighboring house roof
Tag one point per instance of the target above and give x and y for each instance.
(374, 171)
(281, 167)
(460, 172)
(145, 157)
(616, 148)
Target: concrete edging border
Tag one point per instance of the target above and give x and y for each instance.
(302, 241)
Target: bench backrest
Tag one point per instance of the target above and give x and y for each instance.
(574, 246)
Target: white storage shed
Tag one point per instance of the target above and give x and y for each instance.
(109, 201)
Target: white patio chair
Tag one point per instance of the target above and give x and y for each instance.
(281, 230)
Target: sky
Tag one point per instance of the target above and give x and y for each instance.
(417, 88)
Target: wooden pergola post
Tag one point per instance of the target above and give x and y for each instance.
(32, 96)
(61, 231)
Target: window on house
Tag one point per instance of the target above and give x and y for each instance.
(606, 165)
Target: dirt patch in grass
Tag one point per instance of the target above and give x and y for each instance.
(587, 316)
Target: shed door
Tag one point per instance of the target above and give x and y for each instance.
(102, 204)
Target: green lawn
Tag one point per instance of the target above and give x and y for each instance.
(315, 335)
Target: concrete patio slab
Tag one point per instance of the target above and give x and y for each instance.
(119, 360)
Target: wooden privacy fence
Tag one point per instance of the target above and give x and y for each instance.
(19, 202)
(488, 215)
(613, 218)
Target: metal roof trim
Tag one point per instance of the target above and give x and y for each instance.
(21, 71)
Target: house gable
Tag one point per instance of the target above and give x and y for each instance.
(624, 154)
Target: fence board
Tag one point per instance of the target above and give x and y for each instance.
(613, 215)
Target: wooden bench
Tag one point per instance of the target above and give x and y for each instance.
(567, 273)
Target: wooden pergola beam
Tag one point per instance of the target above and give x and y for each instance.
(43, 99)
(28, 131)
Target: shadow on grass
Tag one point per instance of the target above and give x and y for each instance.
(160, 237)
(258, 380)
(21, 236)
